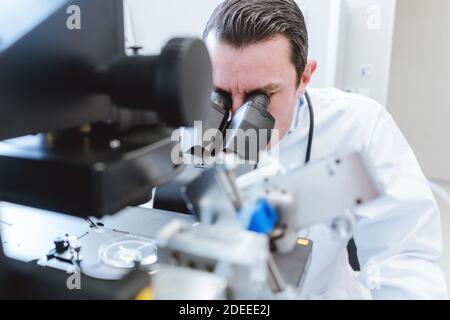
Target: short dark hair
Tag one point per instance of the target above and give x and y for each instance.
(243, 22)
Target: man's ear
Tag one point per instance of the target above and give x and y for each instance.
(310, 69)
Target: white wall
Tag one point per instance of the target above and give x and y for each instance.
(419, 95)
(352, 40)
(326, 22)
(154, 22)
(368, 50)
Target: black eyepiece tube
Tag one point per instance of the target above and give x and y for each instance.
(221, 108)
(259, 99)
(176, 84)
(255, 117)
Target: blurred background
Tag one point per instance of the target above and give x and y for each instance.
(394, 51)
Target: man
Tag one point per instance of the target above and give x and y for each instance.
(262, 46)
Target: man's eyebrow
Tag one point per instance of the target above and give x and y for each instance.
(219, 89)
(270, 87)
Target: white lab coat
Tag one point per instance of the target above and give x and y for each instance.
(398, 237)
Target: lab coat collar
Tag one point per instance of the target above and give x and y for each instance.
(296, 118)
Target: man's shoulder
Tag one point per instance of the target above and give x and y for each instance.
(335, 101)
(345, 118)
(343, 121)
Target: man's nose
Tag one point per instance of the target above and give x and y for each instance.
(237, 103)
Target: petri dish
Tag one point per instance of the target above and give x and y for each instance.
(124, 253)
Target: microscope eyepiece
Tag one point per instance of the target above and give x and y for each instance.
(221, 106)
(220, 100)
(255, 117)
(259, 99)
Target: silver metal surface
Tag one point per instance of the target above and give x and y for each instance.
(28, 234)
(142, 221)
(318, 193)
(31, 232)
(239, 256)
(212, 199)
(176, 283)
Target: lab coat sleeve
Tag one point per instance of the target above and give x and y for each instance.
(399, 237)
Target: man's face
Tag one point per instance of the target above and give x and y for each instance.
(262, 67)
